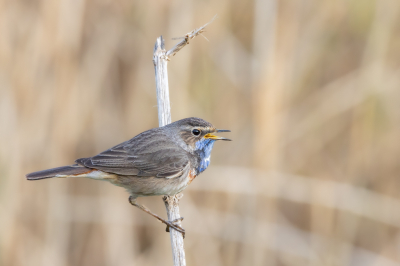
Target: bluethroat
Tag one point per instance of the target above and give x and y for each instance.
(159, 161)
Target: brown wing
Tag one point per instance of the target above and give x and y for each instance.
(148, 154)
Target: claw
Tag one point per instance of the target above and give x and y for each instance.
(177, 220)
(175, 226)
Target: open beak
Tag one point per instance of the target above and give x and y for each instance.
(212, 136)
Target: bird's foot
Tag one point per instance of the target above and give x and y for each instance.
(175, 226)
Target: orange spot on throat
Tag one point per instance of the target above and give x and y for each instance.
(192, 176)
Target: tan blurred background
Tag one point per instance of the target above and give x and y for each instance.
(310, 90)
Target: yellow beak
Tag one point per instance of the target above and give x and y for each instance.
(212, 136)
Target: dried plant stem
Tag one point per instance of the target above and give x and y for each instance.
(164, 118)
(160, 59)
(178, 250)
(187, 38)
(160, 67)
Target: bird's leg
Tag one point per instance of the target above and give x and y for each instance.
(169, 224)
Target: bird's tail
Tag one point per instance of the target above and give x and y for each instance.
(63, 171)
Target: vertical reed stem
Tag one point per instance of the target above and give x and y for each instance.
(164, 117)
(160, 59)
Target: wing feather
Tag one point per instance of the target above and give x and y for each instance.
(151, 153)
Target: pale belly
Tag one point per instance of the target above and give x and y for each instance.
(152, 186)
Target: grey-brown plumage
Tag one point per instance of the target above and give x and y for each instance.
(160, 161)
(151, 153)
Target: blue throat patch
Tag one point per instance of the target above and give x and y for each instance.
(203, 148)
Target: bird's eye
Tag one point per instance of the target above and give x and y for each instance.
(196, 132)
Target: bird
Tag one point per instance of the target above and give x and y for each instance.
(159, 161)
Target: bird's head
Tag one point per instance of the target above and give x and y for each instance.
(197, 133)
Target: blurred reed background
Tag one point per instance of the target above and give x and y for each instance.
(310, 90)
